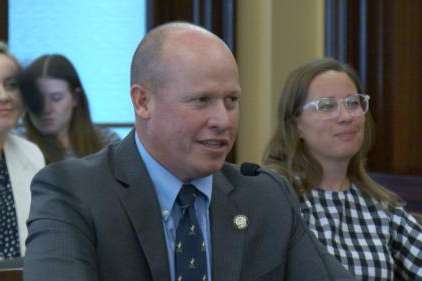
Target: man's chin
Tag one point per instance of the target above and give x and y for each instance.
(214, 167)
(206, 170)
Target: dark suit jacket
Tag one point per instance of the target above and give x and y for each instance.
(98, 218)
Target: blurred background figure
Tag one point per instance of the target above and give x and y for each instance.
(58, 118)
(323, 135)
(19, 161)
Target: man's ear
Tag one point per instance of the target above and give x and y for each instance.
(141, 100)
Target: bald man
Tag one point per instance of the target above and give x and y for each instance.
(121, 214)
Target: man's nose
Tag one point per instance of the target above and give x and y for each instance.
(219, 116)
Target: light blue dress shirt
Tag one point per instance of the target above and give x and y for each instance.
(167, 187)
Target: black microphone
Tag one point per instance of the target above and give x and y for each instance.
(250, 169)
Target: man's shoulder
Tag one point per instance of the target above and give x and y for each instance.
(85, 169)
(118, 163)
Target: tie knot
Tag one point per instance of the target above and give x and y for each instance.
(187, 196)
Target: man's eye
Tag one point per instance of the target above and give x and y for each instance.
(327, 105)
(234, 99)
(204, 99)
(201, 101)
(231, 101)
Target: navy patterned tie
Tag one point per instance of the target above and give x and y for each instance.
(190, 255)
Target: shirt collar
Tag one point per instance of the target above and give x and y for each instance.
(167, 185)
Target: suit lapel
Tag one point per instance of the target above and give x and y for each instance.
(138, 197)
(227, 241)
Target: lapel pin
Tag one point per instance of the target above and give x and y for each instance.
(240, 222)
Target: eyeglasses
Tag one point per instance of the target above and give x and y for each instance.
(329, 107)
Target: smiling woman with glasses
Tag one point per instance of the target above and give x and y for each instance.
(323, 135)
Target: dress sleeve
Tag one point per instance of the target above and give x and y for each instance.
(406, 245)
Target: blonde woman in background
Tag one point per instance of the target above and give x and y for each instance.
(323, 135)
(19, 161)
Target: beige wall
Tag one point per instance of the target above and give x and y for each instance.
(273, 37)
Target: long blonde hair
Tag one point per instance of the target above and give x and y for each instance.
(286, 152)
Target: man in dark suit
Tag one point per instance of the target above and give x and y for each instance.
(119, 214)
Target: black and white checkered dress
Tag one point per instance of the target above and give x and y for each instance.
(372, 242)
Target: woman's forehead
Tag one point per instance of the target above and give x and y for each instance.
(331, 84)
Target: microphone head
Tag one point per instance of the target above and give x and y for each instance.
(249, 169)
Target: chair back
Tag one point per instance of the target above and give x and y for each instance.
(409, 188)
(11, 269)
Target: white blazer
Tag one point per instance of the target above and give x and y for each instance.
(23, 159)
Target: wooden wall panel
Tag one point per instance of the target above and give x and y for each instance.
(385, 46)
(379, 83)
(406, 93)
(217, 16)
(4, 20)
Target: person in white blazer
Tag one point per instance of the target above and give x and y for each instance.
(19, 161)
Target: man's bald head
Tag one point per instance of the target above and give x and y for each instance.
(147, 62)
(185, 91)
